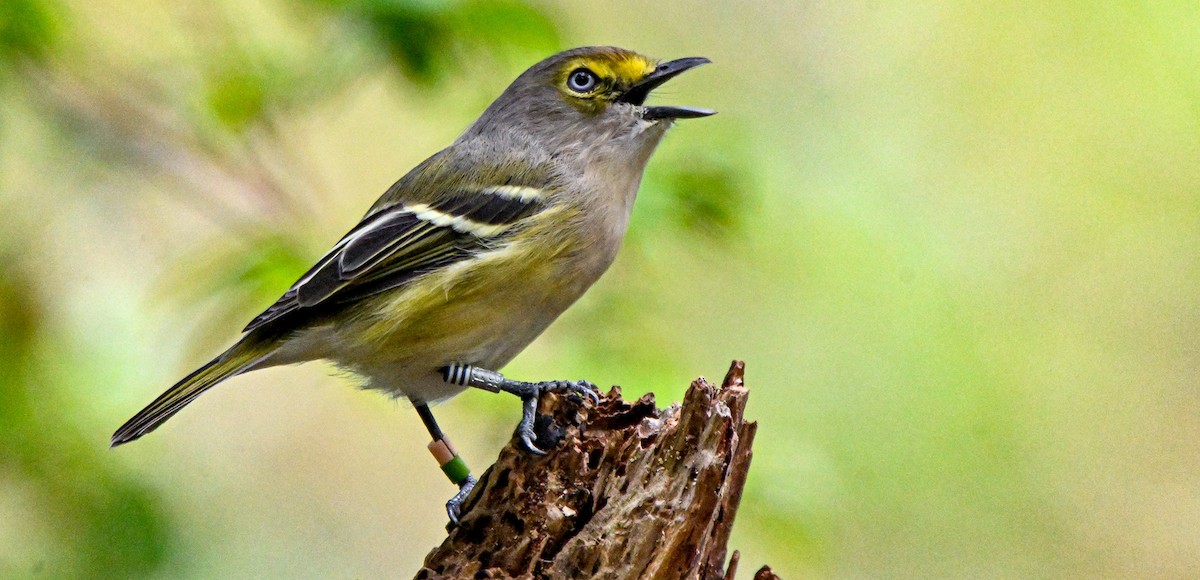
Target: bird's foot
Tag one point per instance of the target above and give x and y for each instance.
(531, 394)
(454, 506)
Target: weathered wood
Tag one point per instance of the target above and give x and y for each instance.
(627, 491)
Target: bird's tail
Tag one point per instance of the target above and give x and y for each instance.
(237, 359)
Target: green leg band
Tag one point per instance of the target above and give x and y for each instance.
(456, 469)
(452, 464)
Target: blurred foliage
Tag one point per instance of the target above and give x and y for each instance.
(29, 29)
(78, 513)
(426, 43)
(238, 96)
(710, 198)
(237, 279)
(427, 40)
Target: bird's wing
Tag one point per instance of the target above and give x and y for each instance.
(399, 242)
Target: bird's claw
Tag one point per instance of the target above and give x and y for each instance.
(525, 427)
(533, 394)
(454, 506)
(527, 443)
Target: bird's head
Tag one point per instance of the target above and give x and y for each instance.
(588, 96)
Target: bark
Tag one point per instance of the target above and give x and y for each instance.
(627, 490)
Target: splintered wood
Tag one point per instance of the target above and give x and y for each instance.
(627, 490)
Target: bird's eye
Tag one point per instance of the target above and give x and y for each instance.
(582, 80)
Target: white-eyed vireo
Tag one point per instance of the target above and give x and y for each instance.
(472, 254)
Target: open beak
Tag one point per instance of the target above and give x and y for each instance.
(636, 95)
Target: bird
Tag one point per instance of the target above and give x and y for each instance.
(469, 256)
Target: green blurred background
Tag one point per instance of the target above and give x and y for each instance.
(958, 245)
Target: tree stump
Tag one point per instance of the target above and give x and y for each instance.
(627, 490)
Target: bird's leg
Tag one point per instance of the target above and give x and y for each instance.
(452, 464)
(530, 393)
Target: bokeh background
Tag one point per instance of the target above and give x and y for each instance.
(956, 243)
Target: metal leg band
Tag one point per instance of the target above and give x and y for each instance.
(471, 376)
